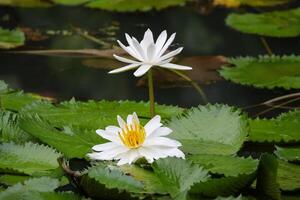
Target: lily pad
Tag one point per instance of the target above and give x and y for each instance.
(273, 24)
(205, 130)
(10, 39)
(133, 5)
(264, 71)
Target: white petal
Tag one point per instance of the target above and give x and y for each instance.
(164, 62)
(161, 131)
(125, 60)
(105, 146)
(129, 119)
(113, 129)
(128, 157)
(147, 154)
(167, 44)
(130, 51)
(174, 66)
(111, 136)
(142, 70)
(153, 124)
(109, 154)
(121, 122)
(136, 45)
(161, 41)
(122, 161)
(170, 152)
(161, 141)
(147, 40)
(135, 118)
(123, 69)
(150, 52)
(132, 46)
(171, 54)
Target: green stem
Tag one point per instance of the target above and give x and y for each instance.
(193, 83)
(151, 93)
(266, 45)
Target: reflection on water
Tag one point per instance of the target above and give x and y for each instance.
(65, 77)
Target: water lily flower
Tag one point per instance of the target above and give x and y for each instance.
(131, 141)
(149, 53)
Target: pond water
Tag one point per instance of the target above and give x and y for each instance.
(67, 77)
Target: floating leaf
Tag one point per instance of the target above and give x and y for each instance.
(178, 175)
(276, 130)
(25, 3)
(133, 5)
(226, 165)
(267, 185)
(94, 115)
(10, 130)
(224, 186)
(253, 3)
(108, 182)
(240, 197)
(3, 87)
(236, 173)
(31, 159)
(265, 71)
(10, 180)
(274, 24)
(73, 143)
(18, 191)
(205, 130)
(288, 153)
(16, 100)
(71, 2)
(288, 176)
(11, 38)
(151, 182)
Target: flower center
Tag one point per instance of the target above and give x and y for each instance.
(133, 136)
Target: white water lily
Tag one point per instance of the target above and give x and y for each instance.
(149, 53)
(132, 141)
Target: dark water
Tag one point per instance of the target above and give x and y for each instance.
(64, 78)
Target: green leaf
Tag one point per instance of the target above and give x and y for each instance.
(284, 128)
(253, 3)
(18, 191)
(288, 153)
(109, 182)
(205, 130)
(71, 2)
(3, 87)
(94, 115)
(226, 165)
(151, 182)
(267, 185)
(264, 71)
(133, 5)
(288, 176)
(16, 100)
(274, 24)
(25, 3)
(224, 186)
(11, 38)
(240, 197)
(10, 180)
(9, 129)
(236, 173)
(72, 142)
(178, 175)
(29, 158)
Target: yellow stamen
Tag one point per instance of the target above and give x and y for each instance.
(133, 136)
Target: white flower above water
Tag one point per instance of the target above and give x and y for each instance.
(149, 53)
(132, 141)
